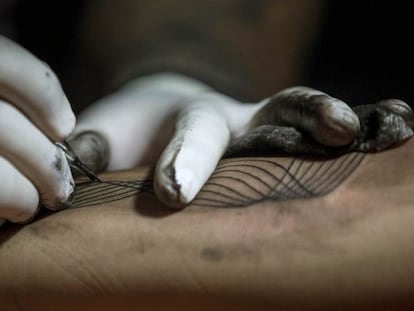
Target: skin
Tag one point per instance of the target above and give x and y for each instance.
(93, 241)
(350, 248)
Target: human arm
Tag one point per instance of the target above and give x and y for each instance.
(351, 247)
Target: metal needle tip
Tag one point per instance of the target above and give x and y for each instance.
(75, 162)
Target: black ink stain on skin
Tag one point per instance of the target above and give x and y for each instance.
(212, 254)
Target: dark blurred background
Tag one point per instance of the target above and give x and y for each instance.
(365, 51)
(363, 54)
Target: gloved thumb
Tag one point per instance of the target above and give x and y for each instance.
(93, 150)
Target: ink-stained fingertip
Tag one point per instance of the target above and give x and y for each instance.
(93, 150)
(399, 107)
(174, 188)
(339, 127)
(61, 201)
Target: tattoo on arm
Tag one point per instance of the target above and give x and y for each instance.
(93, 193)
(240, 182)
(245, 181)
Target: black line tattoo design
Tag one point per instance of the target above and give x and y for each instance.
(240, 182)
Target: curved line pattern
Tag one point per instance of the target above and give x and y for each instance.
(299, 178)
(93, 193)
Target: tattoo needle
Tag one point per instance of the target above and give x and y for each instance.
(75, 162)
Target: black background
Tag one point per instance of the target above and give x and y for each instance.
(364, 52)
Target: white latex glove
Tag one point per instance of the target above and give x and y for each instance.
(34, 113)
(194, 125)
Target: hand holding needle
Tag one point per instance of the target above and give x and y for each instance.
(75, 162)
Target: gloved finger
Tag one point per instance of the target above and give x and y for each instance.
(399, 107)
(330, 121)
(202, 133)
(137, 120)
(119, 119)
(19, 200)
(32, 86)
(33, 154)
(92, 149)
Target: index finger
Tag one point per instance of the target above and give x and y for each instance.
(31, 85)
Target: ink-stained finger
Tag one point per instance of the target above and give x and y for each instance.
(35, 156)
(19, 200)
(329, 120)
(119, 119)
(399, 107)
(32, 86)
(202, 133)
(200, 138)
(92, 149)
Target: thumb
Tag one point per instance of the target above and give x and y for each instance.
(92, 149)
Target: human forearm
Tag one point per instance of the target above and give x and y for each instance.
(351, 247)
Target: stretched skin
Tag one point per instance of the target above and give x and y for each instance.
(350, 248)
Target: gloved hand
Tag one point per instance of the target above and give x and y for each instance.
(194, 125)
(34, 113)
